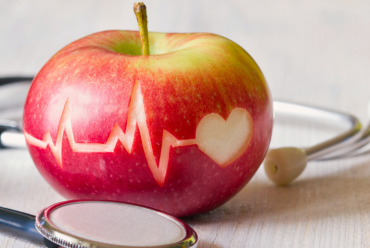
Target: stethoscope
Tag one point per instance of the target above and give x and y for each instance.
(57, 228)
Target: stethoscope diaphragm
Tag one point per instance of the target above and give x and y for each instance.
(107, 224)
(99, 224)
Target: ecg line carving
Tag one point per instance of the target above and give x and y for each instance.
(221, 140)
(136, 115)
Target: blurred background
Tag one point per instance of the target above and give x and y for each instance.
(310, 51)
(301, 46)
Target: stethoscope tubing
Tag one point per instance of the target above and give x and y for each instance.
(334, 145)
(355, 149)
(10, 80)
(19, 224)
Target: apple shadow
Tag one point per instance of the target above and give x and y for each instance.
(325, 191)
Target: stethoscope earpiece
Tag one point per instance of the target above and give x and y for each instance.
(283, 165)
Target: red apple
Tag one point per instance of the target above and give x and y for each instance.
(181, 130)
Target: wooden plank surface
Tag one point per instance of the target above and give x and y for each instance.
(314, 52)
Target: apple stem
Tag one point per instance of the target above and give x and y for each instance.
(142, 20)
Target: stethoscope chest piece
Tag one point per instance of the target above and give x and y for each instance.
(108, 224)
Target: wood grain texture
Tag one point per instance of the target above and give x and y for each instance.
(314, 52)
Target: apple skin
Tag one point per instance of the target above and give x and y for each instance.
(187, 77)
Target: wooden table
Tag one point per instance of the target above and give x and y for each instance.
(313, 52)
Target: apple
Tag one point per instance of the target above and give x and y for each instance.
(181, 130)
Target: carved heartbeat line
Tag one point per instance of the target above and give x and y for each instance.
(136, 115)
(235, 132)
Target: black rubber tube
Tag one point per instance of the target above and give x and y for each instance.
(9, 80)
(19, 224)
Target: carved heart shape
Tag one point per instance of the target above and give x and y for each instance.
(224, 141)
